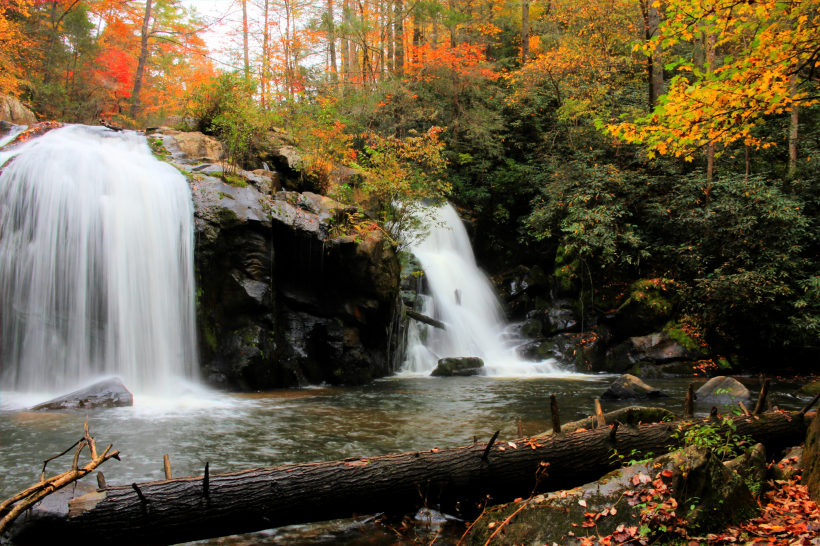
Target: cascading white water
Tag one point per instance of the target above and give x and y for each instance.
(96, 264)
(475, 325)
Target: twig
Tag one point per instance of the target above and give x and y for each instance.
(506, 521)
(490, 444)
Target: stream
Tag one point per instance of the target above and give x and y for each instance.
(240, 431)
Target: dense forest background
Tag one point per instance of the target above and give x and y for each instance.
(618, 145)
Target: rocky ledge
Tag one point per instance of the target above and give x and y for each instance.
(283, 299)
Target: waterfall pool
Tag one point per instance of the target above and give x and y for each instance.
(240, 431)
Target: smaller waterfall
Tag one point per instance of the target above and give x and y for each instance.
(96, 264)
(463, 298)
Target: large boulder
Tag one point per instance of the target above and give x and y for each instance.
(110, 393)
(187, 146)
(690, 485)
(723, 390)
(458, 366)
(14, 111)
(628, 387)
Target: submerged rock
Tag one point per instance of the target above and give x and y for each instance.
(429, 516)
(110, 393)
(692, 483)
(723, 390)
(628, 386)
(458, 366)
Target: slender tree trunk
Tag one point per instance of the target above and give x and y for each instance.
(245, 40)
(331, 40)
(525, 31)
(656, 83)
(793, 128)
(399, 17)
(143, 58)
(346, 41)
(748, 163)
(390, 19)
(453, 29)
(263, 78)
(710, 149)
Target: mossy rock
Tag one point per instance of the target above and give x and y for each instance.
(458, 366)
(649, 306)
(709, 497)
(531, 329)
(566, 274)
(809, 389)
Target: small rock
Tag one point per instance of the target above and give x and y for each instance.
(428, 516)
(458, 366)
(629, 386)
(723, 390)
(110, 393)
(790, 466)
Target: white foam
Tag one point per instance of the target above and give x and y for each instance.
(96, 264)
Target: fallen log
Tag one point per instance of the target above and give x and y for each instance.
(194, 508)
(424, 318)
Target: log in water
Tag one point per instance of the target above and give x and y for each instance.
(187, 509)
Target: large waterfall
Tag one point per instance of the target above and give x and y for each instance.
(96, 264)
(474, 319)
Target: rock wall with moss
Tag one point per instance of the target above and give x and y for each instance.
(283, 300)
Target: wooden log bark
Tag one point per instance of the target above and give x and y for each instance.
(178, 510)
(424, 318)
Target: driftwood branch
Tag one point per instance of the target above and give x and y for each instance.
(424, 318)
(19, 503)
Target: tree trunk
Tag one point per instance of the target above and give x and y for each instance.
(525, 31)
(263, 78)
(424, 318)
(399, 37)
(389, 18)
(710, 149)
(345, 41)
(793, 126)
(195, 508)
(656, 84)
(143, 58)
(245, 40)
(331, 40)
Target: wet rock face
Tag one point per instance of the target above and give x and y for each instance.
(110, 393)
(628, 386)
(458, 366)
(657, 348)
(280, 304)
(723, 390)
(14, 111)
